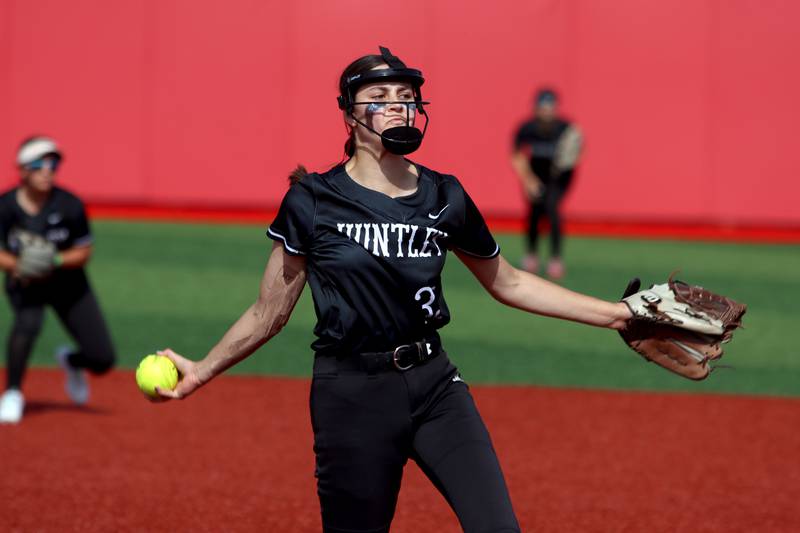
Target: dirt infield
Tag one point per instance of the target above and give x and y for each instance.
(237, 457)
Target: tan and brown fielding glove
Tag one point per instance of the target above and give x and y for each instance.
(680, 326)
(568, 149)
(36, 257)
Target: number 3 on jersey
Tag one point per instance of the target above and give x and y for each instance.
(428, 296)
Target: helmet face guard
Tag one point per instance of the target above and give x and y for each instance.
(400, 140)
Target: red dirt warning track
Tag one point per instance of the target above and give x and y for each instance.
(237, 457)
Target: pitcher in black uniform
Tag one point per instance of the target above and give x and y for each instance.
(370, 237)
(45, 242)
(546, 151)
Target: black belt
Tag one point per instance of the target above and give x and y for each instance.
(402, 358)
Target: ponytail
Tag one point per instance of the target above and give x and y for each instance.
(297, 174)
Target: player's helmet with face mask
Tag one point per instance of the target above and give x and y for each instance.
(400, 140)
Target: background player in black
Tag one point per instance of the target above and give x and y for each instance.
(370, 237)
(45, 242)
(546, 150)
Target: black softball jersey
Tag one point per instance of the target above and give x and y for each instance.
(374, 262)
(62, 221)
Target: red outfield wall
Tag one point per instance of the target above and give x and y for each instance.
(212, 103)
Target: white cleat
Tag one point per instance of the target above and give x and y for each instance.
(12, 403)
(76, 386)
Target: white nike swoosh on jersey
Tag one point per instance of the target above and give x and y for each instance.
(434, 217)
(457, 378)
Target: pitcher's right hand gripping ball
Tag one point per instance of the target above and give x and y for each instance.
(680, 326)
(156, 371)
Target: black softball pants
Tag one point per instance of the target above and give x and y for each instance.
(77, 309)
(366, 426)
(548, 205)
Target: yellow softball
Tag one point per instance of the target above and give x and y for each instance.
(156, 371)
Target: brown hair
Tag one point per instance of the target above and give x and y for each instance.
(360, 65)
(297, 174)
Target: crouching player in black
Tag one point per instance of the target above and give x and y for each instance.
(370, 236)
(44, 244)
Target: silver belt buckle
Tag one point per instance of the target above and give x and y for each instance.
(394, 358)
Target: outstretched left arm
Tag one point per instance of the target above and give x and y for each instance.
(525, 291)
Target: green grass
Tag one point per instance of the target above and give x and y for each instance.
(182, 285)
